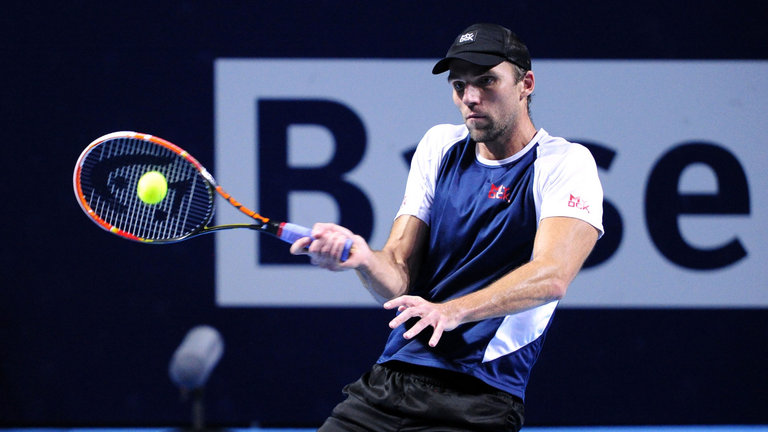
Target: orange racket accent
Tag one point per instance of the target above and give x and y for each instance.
(240, 206)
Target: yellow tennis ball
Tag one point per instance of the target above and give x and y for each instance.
(152, 187)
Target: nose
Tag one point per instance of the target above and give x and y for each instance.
(471, 95)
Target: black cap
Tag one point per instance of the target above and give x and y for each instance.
(486, 45)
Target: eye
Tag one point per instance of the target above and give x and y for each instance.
(459, 86)
(486, 81)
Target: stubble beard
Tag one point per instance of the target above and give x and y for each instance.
(491, 133)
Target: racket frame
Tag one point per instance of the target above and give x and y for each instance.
(285, 231)
(266, 224)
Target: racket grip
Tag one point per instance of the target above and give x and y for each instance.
(290, 232)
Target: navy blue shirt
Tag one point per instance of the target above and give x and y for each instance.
(483, 216)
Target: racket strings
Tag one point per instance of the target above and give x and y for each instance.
(109, 177)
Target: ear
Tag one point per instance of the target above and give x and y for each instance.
(529, 83)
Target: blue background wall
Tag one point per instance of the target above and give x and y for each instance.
(88, 323)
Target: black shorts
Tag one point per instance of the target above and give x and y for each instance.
(402, 397)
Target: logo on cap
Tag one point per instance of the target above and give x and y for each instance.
(467, 37)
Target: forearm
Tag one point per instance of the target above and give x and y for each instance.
(527, 287)
(388, 273)
(561, 248)
(383, 276)
(524, 288)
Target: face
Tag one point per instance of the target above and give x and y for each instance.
(490, 101)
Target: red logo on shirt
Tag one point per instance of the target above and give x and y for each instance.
(499, 192)
(578, 203)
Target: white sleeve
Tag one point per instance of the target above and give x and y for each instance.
(570, 186)
(422, 177)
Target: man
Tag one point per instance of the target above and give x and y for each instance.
(497, 220)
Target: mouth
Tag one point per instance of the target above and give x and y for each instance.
(472, 114)
(473, 117)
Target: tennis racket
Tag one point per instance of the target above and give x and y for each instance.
(106, 179)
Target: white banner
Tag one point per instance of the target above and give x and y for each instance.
(681, 154)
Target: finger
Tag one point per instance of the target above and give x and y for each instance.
(405, 314)
(335, 244)
(325, 245)
(416, 329)
(321, 229)
(400, 319)
(402, 301)
(436, 335)
(392, 304)
(330, 242)
(340, 242)
(300, 246)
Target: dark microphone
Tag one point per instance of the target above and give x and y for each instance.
(196, 357)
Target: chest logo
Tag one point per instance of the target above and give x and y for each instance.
(499, 192)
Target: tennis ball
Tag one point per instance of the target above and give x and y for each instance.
(152, 187)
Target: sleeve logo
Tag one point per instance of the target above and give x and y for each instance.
(578, 203)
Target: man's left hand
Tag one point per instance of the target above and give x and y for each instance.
(441, 316)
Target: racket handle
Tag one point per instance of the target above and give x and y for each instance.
(290, 232)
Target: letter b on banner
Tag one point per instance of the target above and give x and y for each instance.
(277, 178)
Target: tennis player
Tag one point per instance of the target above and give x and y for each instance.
(498, 218)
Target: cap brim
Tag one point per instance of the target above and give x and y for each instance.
(480, 59)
